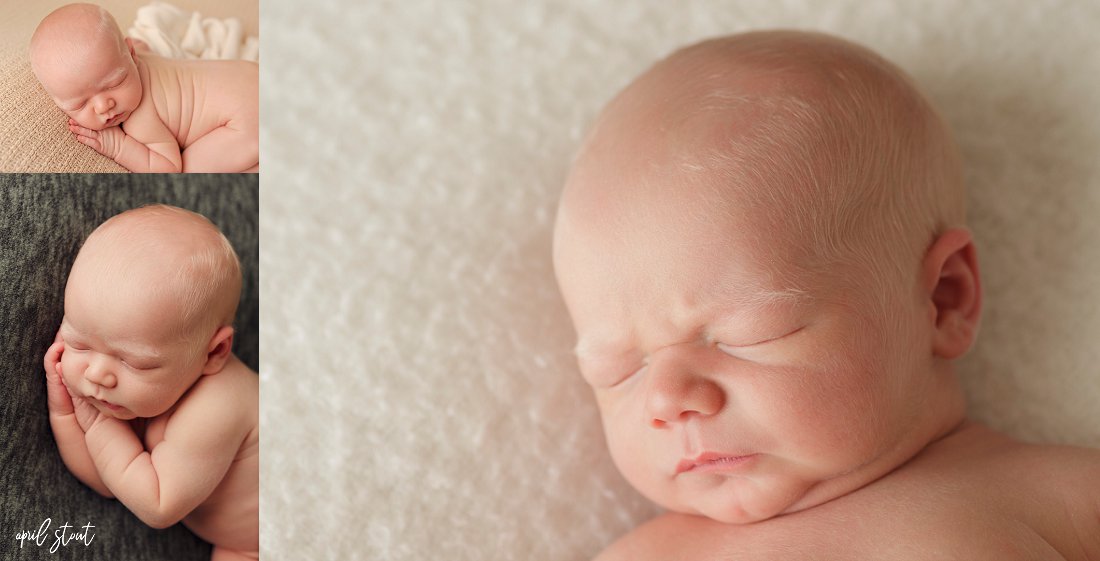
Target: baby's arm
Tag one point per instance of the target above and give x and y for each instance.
(150, 148)
(163, 485)
(66, 429)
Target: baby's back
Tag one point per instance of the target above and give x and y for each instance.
(980, 496)
(194, 97)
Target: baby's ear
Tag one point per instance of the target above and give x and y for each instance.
(218, 350)
(130, 46)
(951, 280)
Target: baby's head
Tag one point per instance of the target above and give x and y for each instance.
(761, 246)
(149, 308)
(82, 61)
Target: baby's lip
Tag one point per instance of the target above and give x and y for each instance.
(714, 461)
(108, 404)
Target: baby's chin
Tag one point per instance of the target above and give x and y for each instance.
(743, 500)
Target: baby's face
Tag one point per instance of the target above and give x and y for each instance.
(723, 392)
(99, 88)
(124, 350)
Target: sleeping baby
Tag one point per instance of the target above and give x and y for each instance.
(148, 403)
(149, 114)
(762, 246)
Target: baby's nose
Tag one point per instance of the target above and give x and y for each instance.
(676, 394)
(99, 373)
(104, 105)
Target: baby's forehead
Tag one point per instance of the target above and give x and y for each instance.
(69, 36)
(760, 128)
(106, 267)
(132, 248)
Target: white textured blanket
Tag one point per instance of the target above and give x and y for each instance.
(419, 397)
(171, 31)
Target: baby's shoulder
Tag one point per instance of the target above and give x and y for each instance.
(1051, 470)
(1050, 489)
(232, 392)
(145, 123)
(1069, 472)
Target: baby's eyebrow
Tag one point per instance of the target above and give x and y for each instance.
(118, 73)
(761, 297)
(133, 350)
(138, 351)
(588, 351)
(69, 104)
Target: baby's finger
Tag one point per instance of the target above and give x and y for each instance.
(52, 357)
(93, 143)
(58, 399)
(81, 131)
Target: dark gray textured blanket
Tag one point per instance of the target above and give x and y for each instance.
(43, 221)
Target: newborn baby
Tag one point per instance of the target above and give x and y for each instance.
(147, 401)
(762, 246)
(149, 114)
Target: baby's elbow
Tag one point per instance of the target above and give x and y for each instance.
(166, 166)
(158, 524)
(160, 520)
(165, 163)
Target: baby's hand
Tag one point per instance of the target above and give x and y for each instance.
(107, 141)
(86, 413)
(58, 400)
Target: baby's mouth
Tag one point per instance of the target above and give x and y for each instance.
(713, 462)
(109, 405)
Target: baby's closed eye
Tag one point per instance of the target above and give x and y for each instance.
(139, 364)
(739, 349)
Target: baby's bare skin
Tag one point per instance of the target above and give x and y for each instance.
(208, 108)
(763, 250)
(976, 494)
(148, 113)
(147, 402)
(227, 516)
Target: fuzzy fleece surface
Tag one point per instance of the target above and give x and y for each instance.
(419, 396)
